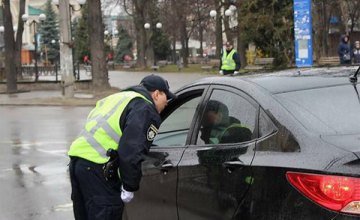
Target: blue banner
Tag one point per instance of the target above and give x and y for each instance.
(303, 33)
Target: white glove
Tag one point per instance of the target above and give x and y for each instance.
(126, 196)
(236, 73)
(221, 72)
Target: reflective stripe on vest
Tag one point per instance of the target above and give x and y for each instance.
(227, 60)
(102, 130)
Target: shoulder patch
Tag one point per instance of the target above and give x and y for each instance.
(151, 132)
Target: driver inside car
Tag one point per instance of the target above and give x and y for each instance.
(218, 127)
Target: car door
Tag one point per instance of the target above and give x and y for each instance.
(156, 198)
(214, 176)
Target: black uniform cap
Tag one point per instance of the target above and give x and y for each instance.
(153, 82)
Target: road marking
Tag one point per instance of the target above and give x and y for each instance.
(26, 142)
(65, 207)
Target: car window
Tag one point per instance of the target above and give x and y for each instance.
(284, 141)
(227, 118)
(174, 129)
(266, 126)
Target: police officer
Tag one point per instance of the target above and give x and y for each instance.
(230, 61)
(124, 124)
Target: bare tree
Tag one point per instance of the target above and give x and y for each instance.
(18, 41)
(99, 68)
(322, 11)
(201, 21)
(170, 21)
(137, 9)
(351, 12)
(12, 46)
(218, 27)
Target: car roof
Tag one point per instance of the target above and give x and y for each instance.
(289, 80)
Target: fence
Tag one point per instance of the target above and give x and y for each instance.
(46, 73)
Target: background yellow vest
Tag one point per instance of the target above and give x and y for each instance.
(227, 60)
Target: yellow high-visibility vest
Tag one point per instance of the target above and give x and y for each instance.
(102, 130)
(227, 60)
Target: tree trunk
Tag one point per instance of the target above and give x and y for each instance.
(18, 42)
(218, 28)
(325, 29)
(173, 42)
(181, 16)
(316, 13)
(10, 67)
(99, 69)
(183, 54)
(241, 46)
(139, 21)
(201, 38)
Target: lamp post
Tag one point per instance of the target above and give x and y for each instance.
(54, 42)
(110, 40)
(34, 22)
(2, 29)
(218, 31)
(220, 23)
(66, 45)
(149, 47)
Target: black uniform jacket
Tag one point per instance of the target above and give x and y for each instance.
(138, 122)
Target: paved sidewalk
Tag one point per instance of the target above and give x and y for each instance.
(117, 79)
(46, 98)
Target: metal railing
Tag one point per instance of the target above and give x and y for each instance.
(47, 73)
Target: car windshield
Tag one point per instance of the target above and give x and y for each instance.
(329, 110)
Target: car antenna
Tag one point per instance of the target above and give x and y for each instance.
(357, 93)
(353, 78)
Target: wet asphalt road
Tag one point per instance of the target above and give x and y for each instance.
(33, 161)
(33, 145)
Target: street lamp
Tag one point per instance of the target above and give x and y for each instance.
(110, 41)
(2, 45)
(110, 37)
(220, 23)
(34, 22)
(66, 46)
(150, 54)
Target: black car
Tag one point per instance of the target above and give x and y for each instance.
(256, 147)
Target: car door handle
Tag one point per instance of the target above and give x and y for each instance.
(233, 165)
(166, 166)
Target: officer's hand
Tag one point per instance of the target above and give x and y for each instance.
(236, 73)
(126, 196)
(221, 72)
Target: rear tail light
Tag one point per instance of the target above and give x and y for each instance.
(337, 193)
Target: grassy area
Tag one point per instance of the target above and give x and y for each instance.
(192, 68)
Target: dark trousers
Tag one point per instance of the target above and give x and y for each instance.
(94, 197)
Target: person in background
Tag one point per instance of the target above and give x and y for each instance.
(344, 50)
(356, 53)
(230, 60)
(105, 159)
(86, 60)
